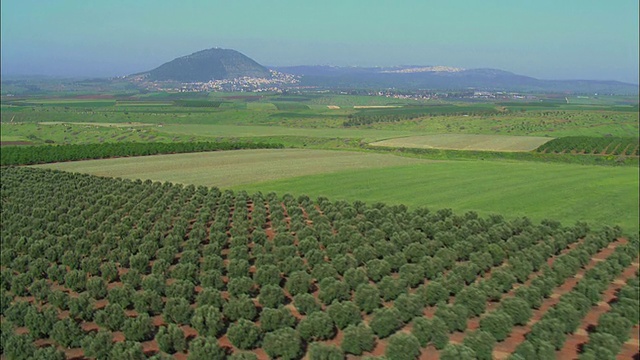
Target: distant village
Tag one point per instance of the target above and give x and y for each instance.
(276, 83)
(287, 83)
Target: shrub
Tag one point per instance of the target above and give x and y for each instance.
(306, 304)
(474, 299)
(139, 328)
(267, 275)
(355, 277)
(149, 302)
(241, 286)
(614, 324)
(316, 326)
(121, 295)
(344, 313)
(548, 330)
(41, 323)
(497, 323)
(299, 282)
(367, 297)
(457, 352)
(377, 269)
(481, 342)
(76, 280)
(111, 317)
(208, 321)
(67, 333)
(454, 316)
(240, 308)
(518, 309)
(98, 345)
(284, 343)
(319, 351)
(177, 311)
(274, 319)
(409, 306)
(81, 307)
(385, 321)
(358, 339)
(205, 348)
(97, 287)
(390, 288)
(171, 339)
(181, 289)
(412, 274)
(19, 347)
(271, 296)
(402, 346)
(244, 334)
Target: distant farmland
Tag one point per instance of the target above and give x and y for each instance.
(467, 142)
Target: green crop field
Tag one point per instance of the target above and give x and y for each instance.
(231, 168)
(568, 193)
(467, 142)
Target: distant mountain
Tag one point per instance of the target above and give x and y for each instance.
(445, 78)
(206, 65)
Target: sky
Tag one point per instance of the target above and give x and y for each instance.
(546, 39)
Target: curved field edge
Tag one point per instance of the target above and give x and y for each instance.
(230, 168)
(569, 193)
(602, 195)
(467, 142)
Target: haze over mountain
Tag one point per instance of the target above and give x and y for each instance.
(445, 78)
(219, 64)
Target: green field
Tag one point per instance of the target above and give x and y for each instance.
(232, 168)
(467, 142)
(568, 193)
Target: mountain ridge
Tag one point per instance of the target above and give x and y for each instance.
(225, 64)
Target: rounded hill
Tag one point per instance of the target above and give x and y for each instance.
(206, 65)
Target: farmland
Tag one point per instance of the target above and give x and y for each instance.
(467, 142)
(318, 226)
(203, 273)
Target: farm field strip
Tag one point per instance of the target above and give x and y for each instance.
(467, 142)
(535, 190)
(226, 169)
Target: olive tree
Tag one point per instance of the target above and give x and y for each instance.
(316, 326)
(244, 334)
(98, 345)
(402, 346)
(274, 319)
(171, 339)
(385, 321)
(358, 339)
(283, 343)
(208, 321)
(139, 328)
(344, 313)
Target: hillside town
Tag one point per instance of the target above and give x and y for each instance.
(276, 83)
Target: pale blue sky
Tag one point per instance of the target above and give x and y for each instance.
(547, 39)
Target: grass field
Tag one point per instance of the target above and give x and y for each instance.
(467, 142)
(568, 193)
(232, 168)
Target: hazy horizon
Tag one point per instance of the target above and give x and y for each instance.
(577, 40)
